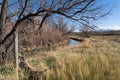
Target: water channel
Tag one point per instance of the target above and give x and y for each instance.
(73, 42)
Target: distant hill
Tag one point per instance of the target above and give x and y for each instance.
(102, 32)
(105, 32)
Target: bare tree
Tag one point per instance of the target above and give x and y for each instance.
(62, 25)
(86, 31)
(20, 10)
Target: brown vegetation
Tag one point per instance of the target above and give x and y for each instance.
(94, 59)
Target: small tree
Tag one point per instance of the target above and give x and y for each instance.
(62, 26)
(86, 31)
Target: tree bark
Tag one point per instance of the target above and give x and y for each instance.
(3, 19)
(3, 29)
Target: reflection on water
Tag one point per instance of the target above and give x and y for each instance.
(73, 42)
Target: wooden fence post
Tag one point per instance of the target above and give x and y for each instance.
(16, 64)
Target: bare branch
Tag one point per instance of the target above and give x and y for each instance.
(23, 9)
(78, 10)
(18, 22)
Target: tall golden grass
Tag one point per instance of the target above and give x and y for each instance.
(92, 60)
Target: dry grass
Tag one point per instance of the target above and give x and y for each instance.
(93, 60)
(7, 72)
(106, 37)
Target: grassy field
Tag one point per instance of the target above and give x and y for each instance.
(91, 60)
(114, 38)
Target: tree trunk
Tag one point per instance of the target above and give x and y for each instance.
(3, 29)
(3, 19)
(2, 54)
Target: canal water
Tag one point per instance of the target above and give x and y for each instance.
(73, 42)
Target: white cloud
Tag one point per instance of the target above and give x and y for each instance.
(110, 27)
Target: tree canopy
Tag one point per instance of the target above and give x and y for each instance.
(17, 11)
